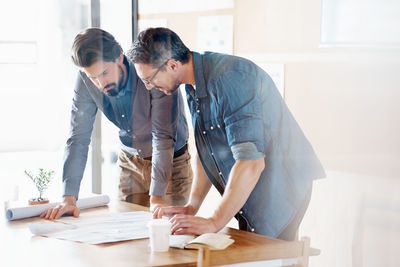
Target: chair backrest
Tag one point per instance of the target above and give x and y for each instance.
(203, 257)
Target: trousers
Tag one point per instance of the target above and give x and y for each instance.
(135, 179)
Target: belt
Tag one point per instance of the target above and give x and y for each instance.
(178, 153)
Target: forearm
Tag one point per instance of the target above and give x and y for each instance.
(200, 186)
(157, 202)
(69, 200)
(242, 180)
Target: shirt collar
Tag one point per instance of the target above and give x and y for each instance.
(201, 88)
(128, 85)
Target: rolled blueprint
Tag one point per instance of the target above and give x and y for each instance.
(36, 210)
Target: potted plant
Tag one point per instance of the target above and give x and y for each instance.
(41, 182)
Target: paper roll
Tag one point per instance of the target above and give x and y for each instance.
(36, 210)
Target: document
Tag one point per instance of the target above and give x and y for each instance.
(17, 213)
(96, 229)
(214, 241)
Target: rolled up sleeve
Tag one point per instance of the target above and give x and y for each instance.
(242, 111)
(246, 151)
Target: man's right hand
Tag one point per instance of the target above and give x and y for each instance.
(67, 207)
(170, 211)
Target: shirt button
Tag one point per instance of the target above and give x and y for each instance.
(139, 150)
(219, 126)
(197, 100)
(252, 229)
(220, 173)
(198, 111)
(240, 212)
(212, 128)
(129, 131)
(212, 153)
(204, 132)
(123, 116)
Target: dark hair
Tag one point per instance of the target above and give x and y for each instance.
(156, 45)
(94, 44)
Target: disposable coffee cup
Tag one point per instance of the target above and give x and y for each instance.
(159, 230)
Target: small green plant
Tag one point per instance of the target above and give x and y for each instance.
(41, 181)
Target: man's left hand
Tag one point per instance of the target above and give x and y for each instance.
(157, 202)
(192, 225)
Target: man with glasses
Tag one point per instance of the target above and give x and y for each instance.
(154, 157)
(249, 145)
(148, 83)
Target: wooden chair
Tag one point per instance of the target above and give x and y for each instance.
(307, 252)
(304, 252)
(203, 257)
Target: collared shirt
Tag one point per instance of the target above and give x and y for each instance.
(150, 122)
(238, 114)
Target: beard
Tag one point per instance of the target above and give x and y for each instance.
(176, 86)
(112, 89)
(170, 91)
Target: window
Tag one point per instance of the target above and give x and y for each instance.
(360, 23)
(37, 72)
(37, 79)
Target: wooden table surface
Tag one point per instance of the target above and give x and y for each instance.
(18, 247)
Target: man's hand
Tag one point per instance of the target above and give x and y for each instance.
(170, 211)
(67, 207)
(192, 225)
(156, 202)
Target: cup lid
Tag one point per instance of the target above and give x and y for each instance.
(159, 222)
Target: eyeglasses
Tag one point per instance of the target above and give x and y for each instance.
(148, 82)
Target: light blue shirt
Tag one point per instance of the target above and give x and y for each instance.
(238, 114)
(150, 122)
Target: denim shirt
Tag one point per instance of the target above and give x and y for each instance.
(238, 114)
(150, 122)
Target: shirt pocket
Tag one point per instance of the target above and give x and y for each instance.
(215, 133)
(215, 128)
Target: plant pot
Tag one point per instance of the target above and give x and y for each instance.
(35, 201)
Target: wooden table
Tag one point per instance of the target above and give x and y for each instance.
(18, 247)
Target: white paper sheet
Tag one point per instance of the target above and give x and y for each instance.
(97, 229)
(46, 228)
(215, 33)
(36, 210)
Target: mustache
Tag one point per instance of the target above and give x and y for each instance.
(111, 89)
(110, 86)
(111, 92)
